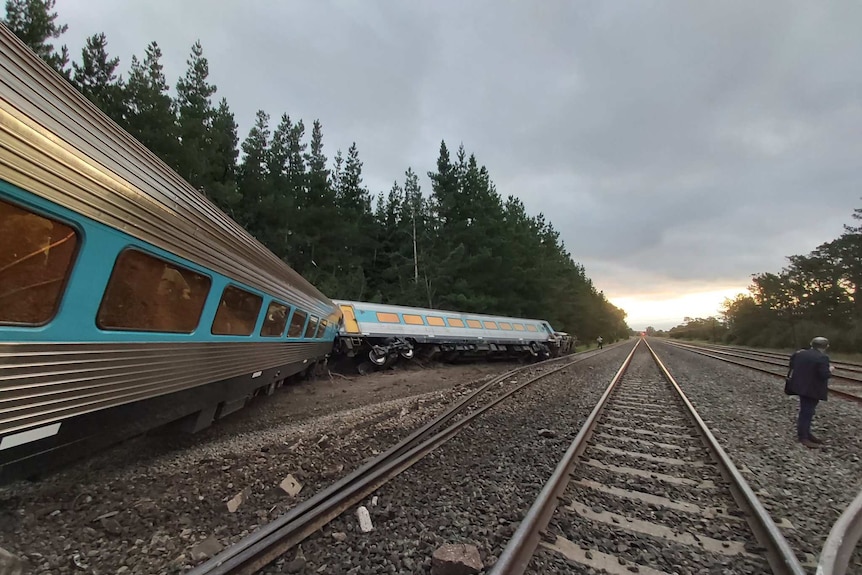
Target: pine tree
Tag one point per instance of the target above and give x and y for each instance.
(150, 115)
(96, 77)
(253, 179)
(195, 120)
(34, 23)
(223, 141)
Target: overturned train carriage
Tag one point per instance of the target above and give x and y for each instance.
(127, 300)
(381, 333)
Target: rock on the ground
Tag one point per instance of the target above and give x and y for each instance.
(205, 549)
(456, 559)
(364, 517)
(10, 564)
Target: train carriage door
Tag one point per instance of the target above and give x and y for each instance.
(350, 323)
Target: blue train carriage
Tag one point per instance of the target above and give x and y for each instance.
(382, 333)
(127, 300)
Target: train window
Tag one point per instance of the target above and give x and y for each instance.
(237, 312)
(321, 331)
(454, 322)
(412, 319)
(146, 293)
(311, 330)
(505, 325)
(36, 256)
(388, 317)
(519, 327)
(275, 321)
(297, 322)
(474, 323)
(531, 327)
(490, 324)
(434, 320)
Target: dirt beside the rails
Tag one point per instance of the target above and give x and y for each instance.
(146, 505)
(337, 392)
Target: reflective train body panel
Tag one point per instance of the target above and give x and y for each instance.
(384, 331)
(127, 300)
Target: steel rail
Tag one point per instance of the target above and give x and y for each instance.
(274, 539)
(769, 360)
(836, 392)
(781, 557)
(843, 365)
(517, 554)
(842, 541)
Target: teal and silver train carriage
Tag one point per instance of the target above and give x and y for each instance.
(127, 300)
(383, 332)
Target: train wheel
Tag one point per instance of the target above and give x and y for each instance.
(408, 354)
(377, 360)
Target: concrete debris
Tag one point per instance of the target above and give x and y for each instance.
(456, 559)
(298, 563)
(374, 501)
(323, 441)
(340, 536)
(10, 564)
(205, 549)
(238, 499)
(290, 485)
(547, 433)
(364, 517)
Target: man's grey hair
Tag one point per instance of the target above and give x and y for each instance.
(820, 343)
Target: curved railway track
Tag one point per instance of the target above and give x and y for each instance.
(645, 468)
(843, 382)
(265, 545)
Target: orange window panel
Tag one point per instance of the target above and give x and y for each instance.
(433, 320)
(519, 327)
(411, 319)
(454, 322)
(490, 324)
(505, 325)
(474, 323)
(383, 317)
(531, 327)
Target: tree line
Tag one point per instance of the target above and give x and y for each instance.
(815, 295)
(460, 247)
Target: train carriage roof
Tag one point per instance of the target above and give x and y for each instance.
(426, 311)
(57, 144)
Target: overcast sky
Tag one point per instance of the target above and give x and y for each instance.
(679, 147)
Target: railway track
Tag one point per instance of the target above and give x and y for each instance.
(271, 541)
(844, 383)
(645, 488)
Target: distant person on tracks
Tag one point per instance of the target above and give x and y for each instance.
(600, 342)
(809, 379)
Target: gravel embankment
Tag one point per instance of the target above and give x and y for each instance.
(756, 424)
(142, 507)
(474, 489)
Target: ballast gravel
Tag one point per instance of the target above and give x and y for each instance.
(804, 490)
(472, 490)
(161, 504)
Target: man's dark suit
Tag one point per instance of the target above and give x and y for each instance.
(809, 379)
(810, 374)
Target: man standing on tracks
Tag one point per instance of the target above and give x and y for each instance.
(809, 379)
(599, 342)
